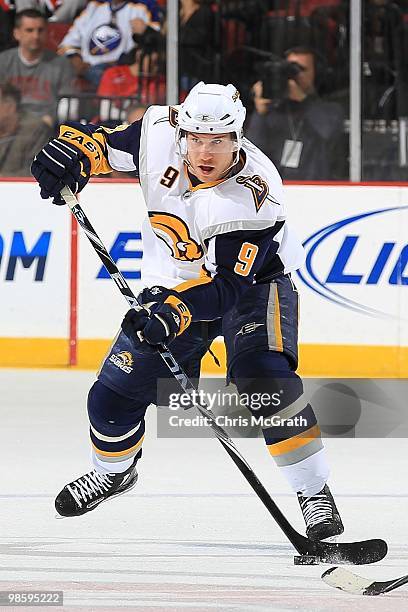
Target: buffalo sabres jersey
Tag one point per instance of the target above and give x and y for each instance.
(103, 31)
(209, 241)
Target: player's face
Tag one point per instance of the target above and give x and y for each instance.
(210, 155)
(31, 34)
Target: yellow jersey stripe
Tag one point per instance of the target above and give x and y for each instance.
(194, 282)
(119, 453)
(286, 446)
(277, 322)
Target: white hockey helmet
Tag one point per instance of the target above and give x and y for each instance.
(210, 109)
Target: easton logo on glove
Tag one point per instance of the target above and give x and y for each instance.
(176, 318)
(82, 141)
(183, 311)
(90, 145)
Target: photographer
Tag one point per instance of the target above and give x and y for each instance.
(301, 133)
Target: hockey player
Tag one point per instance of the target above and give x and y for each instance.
(218, 254)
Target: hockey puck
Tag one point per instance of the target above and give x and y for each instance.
(306, 560)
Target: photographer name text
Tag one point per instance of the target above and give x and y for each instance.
(176, 420)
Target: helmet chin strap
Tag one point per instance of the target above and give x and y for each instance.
(235, 161)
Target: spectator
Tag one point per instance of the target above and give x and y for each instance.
(103, 32)
(195, 43)
(141, 79)
(39, 74)
(56, 10)
(301, 133)
(20, 134)
(384, 67)
(6, 24)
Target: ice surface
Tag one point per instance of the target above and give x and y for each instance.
(191, 536)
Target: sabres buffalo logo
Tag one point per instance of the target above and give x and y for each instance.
(174, 232)
(259, 188)
(105, 38)
(123, 361)
(126, 357)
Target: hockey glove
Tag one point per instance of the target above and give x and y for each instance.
(154, 295)
(133, 324)
(165, 322)
(60, 164)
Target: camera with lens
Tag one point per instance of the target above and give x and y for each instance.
(275, 74)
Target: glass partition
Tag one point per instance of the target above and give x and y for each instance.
(290, 60)
(384, 90)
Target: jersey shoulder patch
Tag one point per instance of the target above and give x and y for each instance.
(173, 114)
(258, 187)
(163, 114)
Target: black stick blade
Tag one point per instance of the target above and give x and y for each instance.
(355, 553)
(352, 553)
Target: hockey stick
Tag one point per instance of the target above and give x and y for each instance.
(349, 582)
(367, 551)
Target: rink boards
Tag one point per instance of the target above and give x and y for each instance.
(59, 307)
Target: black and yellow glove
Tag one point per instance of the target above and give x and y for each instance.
(70, 160)
(157, 323)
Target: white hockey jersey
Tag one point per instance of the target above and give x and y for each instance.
(210, 241)
(102, 33)
(186, 218)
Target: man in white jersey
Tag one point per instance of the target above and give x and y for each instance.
(218, 254)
